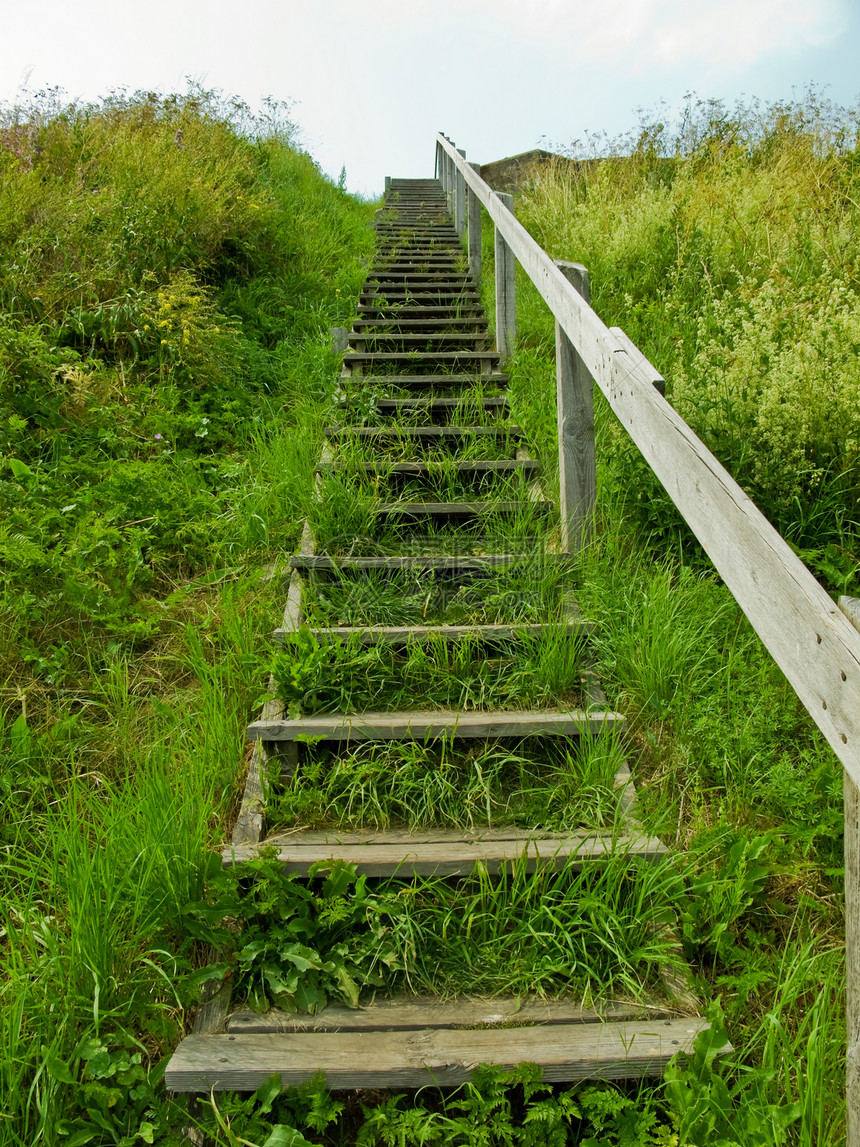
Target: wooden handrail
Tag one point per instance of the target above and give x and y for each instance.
(814, 645)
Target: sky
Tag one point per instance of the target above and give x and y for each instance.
(371, 81)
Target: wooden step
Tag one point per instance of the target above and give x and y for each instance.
(384, 326)
(473, 312)
(419, 339)
(435, 405)
(427, 293)
(479, 509)
(407, 634)
(436, 1057)
(422, 725)
(416, 381)
(460, 564)
(502, 430)
(414, 854)
(440, 357)
(469, 468)
(412, 1013)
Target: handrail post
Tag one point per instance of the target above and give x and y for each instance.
(506, 299)
(577, 469)
(460, 199)
(850, 606)
(473, 213)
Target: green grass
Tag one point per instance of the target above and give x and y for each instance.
(144, 483)
(555, 785)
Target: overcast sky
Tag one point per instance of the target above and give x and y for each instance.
(374, 79)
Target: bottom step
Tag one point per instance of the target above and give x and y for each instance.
(443, 1057)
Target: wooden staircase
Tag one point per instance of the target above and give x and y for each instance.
(419, 345)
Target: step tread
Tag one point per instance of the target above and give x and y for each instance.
(494, 378)
(503, 429)
(404, 634)
(492, 402)
(451, 855)
(490, 466)
(416, 1012)
(463, 509)
(435, 1056)
(418, 724)
(453, 562)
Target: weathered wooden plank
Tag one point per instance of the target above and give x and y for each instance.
(440, 356)
(454, 858)
(498, 430)
(389, 324)
(625, 341)
(412, 1013)
(451, 402)
(505, 280)
(405, 634)
(473, 212)
(437, 1057)
(479, 509)
(426, 724)
(453, 563)
(421, 339)
(815, 646)
(460, 199)
(425, 469)
(314, 837)
(452, 381)
(575, 404)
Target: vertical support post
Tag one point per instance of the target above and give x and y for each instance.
(474, 223)
(449, 182)
(460, 199)
(506, 299)
(387, 184)
(339, 340)
(850, 606)
(577, 469)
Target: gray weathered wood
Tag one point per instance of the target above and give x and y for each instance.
(473, 219)
(412, 1013)
(406, 837)
(625, 341)
(505, 275)
(339, 339)
(437, 1057)
(526, 465)
(460, 199)
(405, 634)
(455, 857)
(814, 645)
(425, 724)
(498, 430)
(575, 405)
(453, 563)
(850, 606)
(456, 509)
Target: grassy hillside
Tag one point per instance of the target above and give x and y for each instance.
(169, 274)
(727, 247)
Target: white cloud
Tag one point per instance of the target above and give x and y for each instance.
(671, 32)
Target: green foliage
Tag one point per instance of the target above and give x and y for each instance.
(726, 246)
(722, 891)
(710, 1112)
(496, 1108)
(353, 676)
